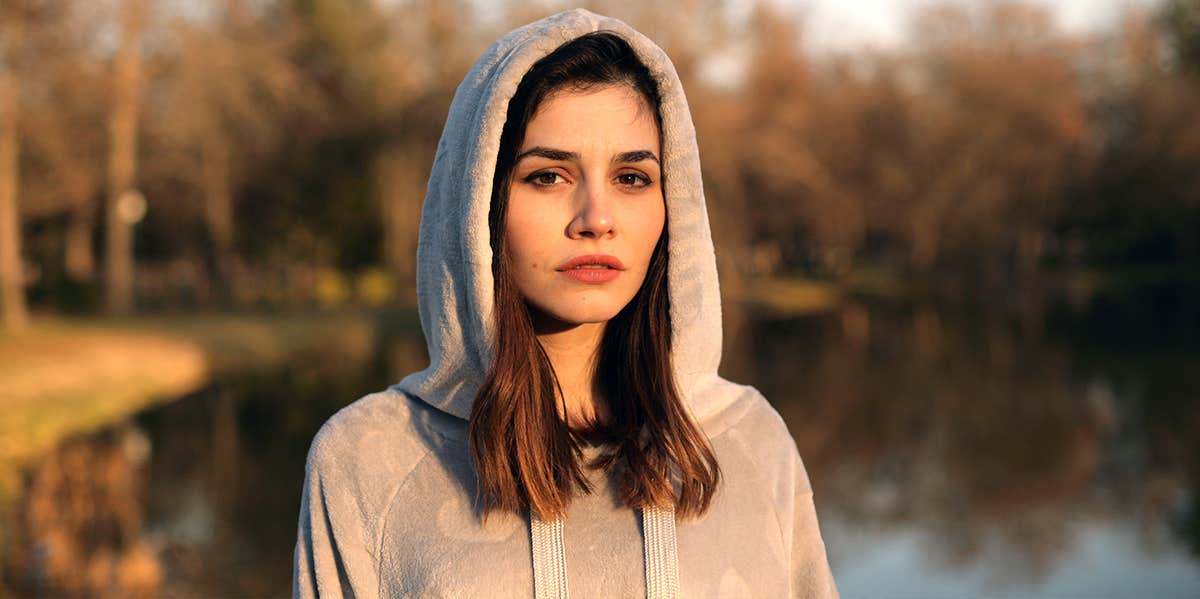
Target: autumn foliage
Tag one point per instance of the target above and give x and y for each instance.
(282, 147)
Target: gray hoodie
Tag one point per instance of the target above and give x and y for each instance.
(388, 503)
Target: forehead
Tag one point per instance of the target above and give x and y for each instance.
(612, 112)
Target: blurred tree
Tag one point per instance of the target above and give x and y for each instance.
(289, 137)
(124, 202)
(1004, 123)
(317, 200)
(230, 89)
(12, 278)
(428, 52)
(67, 141)
(957, 155)
(62, 149)
(1140, 204)
(689, 31)
(789, 190)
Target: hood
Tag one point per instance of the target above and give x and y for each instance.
(454, 256)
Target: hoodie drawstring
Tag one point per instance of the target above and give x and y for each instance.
(662, 560)
(659, 546)
(549, 559)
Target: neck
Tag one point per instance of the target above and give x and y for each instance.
(573, 350)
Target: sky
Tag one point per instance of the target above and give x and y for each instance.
(848, 24)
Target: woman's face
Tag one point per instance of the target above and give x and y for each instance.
(585, 207)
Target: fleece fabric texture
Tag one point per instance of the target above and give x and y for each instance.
(388, 501)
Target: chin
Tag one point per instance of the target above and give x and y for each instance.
(579, 310)
(578, 315)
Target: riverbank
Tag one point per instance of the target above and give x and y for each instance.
(69, 376)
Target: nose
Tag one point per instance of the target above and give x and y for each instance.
(593, 216)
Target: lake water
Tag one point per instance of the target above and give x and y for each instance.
(1051, 451)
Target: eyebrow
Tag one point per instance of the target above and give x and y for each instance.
(553, 154)
(635, 156)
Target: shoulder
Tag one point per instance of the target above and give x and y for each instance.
(361, 424)
(748, 414)
(755, 436)
(369, 447)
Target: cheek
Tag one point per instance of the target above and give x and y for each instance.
(645, 226)
(528, 232)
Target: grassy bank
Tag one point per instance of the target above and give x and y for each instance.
(789, 296)
(64, 377)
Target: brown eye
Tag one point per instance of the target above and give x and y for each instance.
(633, 180)
(543, 178)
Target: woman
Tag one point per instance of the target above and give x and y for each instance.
(571, 435)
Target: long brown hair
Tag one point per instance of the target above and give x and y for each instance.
(525, 455)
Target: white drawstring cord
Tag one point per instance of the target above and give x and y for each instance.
(660, 555)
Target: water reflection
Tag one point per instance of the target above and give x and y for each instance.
(195, 498)
(79, 533)
(954, 452)
(1002, 454)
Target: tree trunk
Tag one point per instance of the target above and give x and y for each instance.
(401, 195)
(12, 279)
(218, 212)
(924, 250)
(80, 260)
(122, 166)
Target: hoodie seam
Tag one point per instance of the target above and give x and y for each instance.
(732, 426)
(387, 512)
(729, 416)
(792, 583)
(774, 505)
(433, 428)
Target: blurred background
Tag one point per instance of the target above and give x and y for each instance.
(959, 249)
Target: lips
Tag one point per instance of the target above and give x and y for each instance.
(592, 261)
